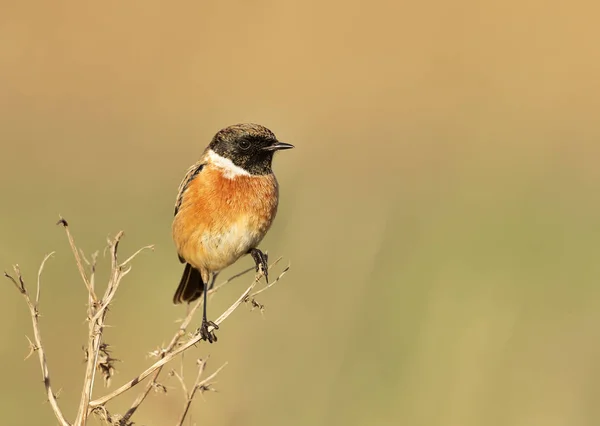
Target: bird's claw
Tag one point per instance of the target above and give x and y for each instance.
(262, 263)
(205, 333)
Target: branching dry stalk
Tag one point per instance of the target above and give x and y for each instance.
(180, 349)
(97, 353)
(37, 335)
(152, 384)
(199, 385)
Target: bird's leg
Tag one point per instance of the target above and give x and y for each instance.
(262, 262)
(204, 332)
(212, 281)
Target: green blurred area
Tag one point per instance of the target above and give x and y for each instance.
(441, 210)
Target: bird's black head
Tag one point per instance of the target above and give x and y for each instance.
(249, 146)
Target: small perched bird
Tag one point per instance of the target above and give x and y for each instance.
(225, 205)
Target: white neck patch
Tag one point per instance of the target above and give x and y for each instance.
(230, 170)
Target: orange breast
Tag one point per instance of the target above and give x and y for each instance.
(220, 219)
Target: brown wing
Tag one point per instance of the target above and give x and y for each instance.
(189, 177)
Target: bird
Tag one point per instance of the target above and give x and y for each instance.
(225, 205)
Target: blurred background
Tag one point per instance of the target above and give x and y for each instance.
(441, 210)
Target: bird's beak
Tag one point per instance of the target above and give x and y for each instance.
(277, 146)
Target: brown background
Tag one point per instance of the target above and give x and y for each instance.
(441, 210)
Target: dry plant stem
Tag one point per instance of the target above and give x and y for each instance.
(175, 340)
(244, 272)
(198, 385)
(96, 324)
(180, 333)
(96, 318)
(190, 395)
(271, 284)
(65, 225)
(181, 382)
(119, 272)
(213, 290)
(95, 330)
(176, 351)
(37, 337)
(168, 357)
(96, 315)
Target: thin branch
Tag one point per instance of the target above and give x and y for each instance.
(189, 396)
(152, 383)
(134, 255)
(179, 378)
(96, 316)
(19, 285)
(228, 280)
(65, 225)
(169, 356)
(175, 340)
(37, 337)
(32, 348)
(96, 327)
(93, 264)
(272, 283)
(244, 272)
(37, 293)
(199, 385)
(118, 272)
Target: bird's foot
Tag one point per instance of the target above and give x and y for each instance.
(262, 263)
(207, 334)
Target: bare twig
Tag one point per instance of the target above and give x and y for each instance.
(169, 356)
(152, 383)
(213, 290)
(39, 277)
(199, 385)
(112, 289)
(96, 327)
(272, 283)
(134, 255)
(84, 277)
(19, 285)
(181, 381)
(175, 340)
(92, 264)
(37, 346)
(97, 353)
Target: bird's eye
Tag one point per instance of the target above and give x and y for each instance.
(244, 143)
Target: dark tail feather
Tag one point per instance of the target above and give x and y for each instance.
(190, 287)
